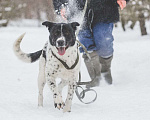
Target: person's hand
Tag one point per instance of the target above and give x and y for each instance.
(122, 4)
(62, 13)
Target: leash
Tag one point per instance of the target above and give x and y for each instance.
(81, 95)
(84, 48)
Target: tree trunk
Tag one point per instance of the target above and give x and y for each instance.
(123, 23)
(50, 12)
(142, 24)
(133, 24)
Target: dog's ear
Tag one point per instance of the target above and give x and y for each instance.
(74, 25)
(48, 24)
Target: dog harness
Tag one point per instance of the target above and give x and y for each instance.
(64, 63)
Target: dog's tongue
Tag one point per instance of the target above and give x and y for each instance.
(61, 50)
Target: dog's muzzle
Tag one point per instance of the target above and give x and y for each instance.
(61, 42)
(60, 45)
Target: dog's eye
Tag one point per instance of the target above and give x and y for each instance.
(56, 32)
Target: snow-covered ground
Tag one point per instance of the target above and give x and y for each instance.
(127, 99)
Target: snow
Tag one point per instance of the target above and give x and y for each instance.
(127, 99)
(3, 21)
(25, 23)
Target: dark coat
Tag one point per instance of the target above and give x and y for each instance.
(105, 11)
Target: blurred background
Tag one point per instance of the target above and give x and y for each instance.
(41, 10)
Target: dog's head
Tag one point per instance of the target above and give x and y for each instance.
(62, 35)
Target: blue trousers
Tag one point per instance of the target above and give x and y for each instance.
(100, 39)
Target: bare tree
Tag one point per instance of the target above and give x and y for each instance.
(28, 9)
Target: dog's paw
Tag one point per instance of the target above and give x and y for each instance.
(59, 105)
(58, 102)
(66, 108)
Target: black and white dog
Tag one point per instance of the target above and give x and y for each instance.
(58, 59)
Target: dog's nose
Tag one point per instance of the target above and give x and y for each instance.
(61, 43)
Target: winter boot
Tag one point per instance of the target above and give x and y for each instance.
(106, 68)
(94, 69)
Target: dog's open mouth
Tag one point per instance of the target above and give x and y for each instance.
(61, 50)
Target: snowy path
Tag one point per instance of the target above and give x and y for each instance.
(127, 99)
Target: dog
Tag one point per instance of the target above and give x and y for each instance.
(58, 59)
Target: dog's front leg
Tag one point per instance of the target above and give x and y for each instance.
(61, 85)
(71, 89)
(56, 95)
(41, 80)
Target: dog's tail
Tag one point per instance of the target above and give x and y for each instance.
(26, 57)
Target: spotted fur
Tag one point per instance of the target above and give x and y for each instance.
(51, 68)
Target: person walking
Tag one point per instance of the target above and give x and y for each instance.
(96, 34)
